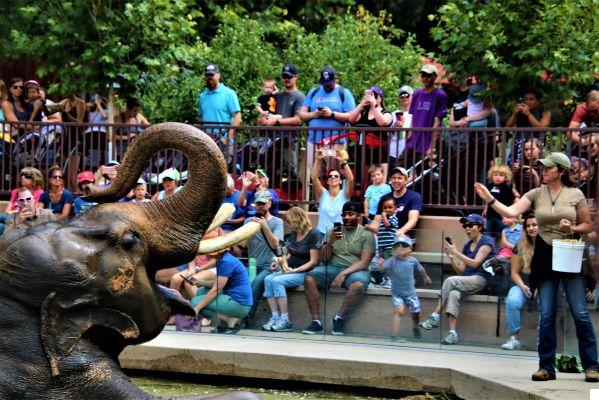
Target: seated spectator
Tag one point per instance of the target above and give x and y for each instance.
(105, 174)
(527, 172)
(169, 179)
(471, 278)
(28, 213)
(262, 246)
(289, 270)
(31, 179)
(347, 255)
(520, 292)
(401, 119)
(332, 197)
(370, 112)
(57, 199)
(375, 191)
(588, 114)
(580, 172)
(230, 297)
(250, 185)
(591, 193)
(200, 272)
(140, 192)
(401, 268)
(500, 186)
(528, 113)
(231, 197)
(81, 206)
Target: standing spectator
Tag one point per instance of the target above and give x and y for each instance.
(528, 113)
(34, 103)
(385, 238)
(371, 112)
(169, 179)
(428, 107)
(29, 178)
(375, 191)
(302, 244)
(560, 210)
(500, 186)
(471, 277)
(350, 250)
(80, 205)
(289, 102)
(527, 172)
(407, 202)
(28, 214)
(520, 292)
(96, 140)
(332, 197)
(57, 199)
(401, 119)
(250, 185)
(218, 105)
(587, 113)
(3, 97)
(14, 107)
(326, 106)
(133, 117)
(262, 246)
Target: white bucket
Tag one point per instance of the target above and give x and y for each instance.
(567, 256)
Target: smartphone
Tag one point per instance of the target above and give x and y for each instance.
(368, 92)
(398, 114)
(258, 215)
(448, 240)
(337, 226)
(521, 100)
(319, 108)
(329, 153)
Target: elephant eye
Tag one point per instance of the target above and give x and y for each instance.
(129, 240)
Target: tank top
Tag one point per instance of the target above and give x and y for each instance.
(162, 193)
(21, 115)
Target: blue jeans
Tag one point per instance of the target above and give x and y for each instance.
(258, 288)
(514, 303)
(275, 284)
(574, 287)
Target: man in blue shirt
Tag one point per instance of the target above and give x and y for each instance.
(219, 105)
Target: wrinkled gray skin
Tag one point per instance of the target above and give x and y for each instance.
(72, 296)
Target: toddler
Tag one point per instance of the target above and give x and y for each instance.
(375, 191)
(401, 268)
(140, 192)
(500, 186)
(510, 235)
(267, 103)
(386, 237)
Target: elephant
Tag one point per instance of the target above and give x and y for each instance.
(74, 295)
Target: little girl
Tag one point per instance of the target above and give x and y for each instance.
(527, 172)
(510, 235)
(500, 186)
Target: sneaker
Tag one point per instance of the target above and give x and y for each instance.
(282, 325)
(268, 326)
(430, 323)
(511, 344)
(591, 375)
(543, 375)
(397, 339)
(313, 328)
(416, 334)
(387, 283)
(451, 338)
(337, 327)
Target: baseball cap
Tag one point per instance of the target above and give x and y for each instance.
(289, 70)
(429, 69)
(399, 170)
(211, 69)
(377, 90)
(170, 173)
(402, 239)
(262, 196)
(473, 219)
(113, 164)
(85, 176)
(351, 206)
(261, 172)
(327, 75)
(405, 91)
(556, 158)
(140, 181)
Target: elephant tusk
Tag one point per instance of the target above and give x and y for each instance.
(224, 213)
(237, 236)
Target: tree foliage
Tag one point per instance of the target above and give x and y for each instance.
(517, 44)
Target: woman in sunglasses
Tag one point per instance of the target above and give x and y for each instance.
(57, 199)
(334, 195)
(470, 276)
(14, 107)
(29, 178)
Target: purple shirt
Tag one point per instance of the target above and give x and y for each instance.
(424, 108)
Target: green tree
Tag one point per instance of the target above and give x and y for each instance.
(517, 44)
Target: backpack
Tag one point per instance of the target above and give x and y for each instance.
(341, 92)
(498, 284)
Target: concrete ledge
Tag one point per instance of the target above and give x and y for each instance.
(468, 375)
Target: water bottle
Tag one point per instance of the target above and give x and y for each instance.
(252, 268)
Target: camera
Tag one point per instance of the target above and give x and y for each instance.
(368, 92)
(448, 240)
(329, 152)
(258, 215)
(337, 226)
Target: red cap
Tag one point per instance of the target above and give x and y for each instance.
(85, 176)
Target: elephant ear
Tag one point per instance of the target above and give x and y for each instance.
(64, 319)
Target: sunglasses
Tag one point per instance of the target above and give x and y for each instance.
(18, 87)
(28, 176)
(468, 225)
(334, 176)
(404, 245)
(24, 199)
(56, 177)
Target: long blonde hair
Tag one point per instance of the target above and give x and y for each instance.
(38, 178)
(298, 219)
(526, 245)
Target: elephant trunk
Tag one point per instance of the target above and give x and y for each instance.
(174, 226)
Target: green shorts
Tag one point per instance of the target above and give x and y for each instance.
(222, 304)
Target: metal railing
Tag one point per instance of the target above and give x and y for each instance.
(445, 181)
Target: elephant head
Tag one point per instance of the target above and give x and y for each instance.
(76, 293)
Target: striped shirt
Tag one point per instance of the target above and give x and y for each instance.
(386, 235)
